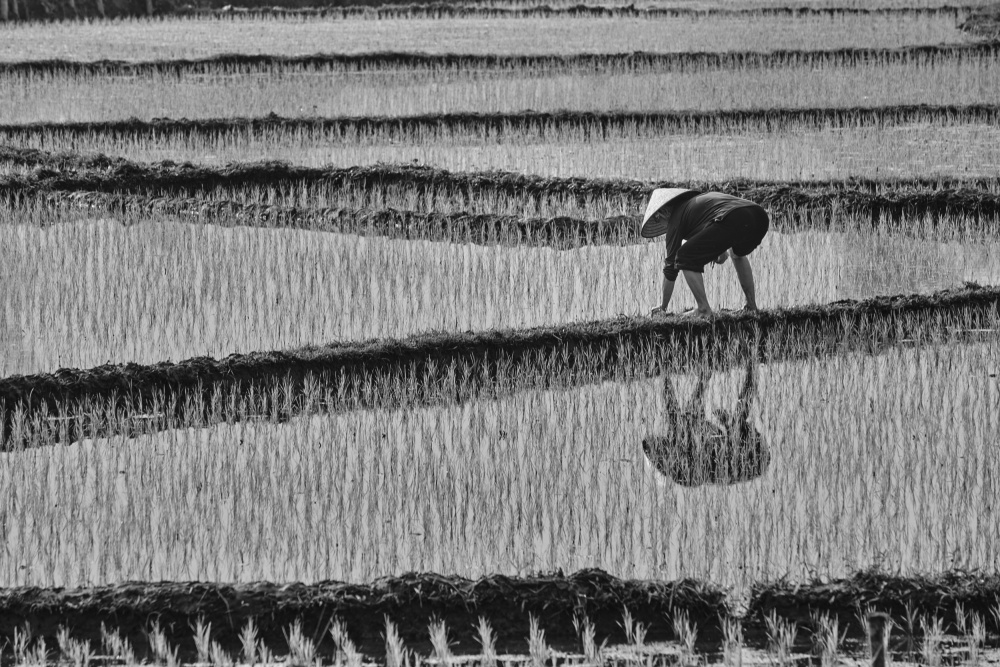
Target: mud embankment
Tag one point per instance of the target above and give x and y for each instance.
(893, 200)
(641, 60)
(412, 601)
(589, 125)
(447, 368)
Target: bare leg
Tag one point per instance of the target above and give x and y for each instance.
(745, 275)
(696, 282)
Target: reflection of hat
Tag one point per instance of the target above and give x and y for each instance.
(657, 217)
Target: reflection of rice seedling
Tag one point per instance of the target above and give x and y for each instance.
(780, 637)
(687, 634)
(732, 641)
(933, 637)
(396, 654)
(537, 648)
(74, 651)
(487, 643)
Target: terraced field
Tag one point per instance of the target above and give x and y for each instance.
(325, 335)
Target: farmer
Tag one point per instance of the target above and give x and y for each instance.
(697, 451)
(715, 226)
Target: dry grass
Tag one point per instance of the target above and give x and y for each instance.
(67, 97)
(140, 39)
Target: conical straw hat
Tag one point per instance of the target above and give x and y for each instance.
(657, 217)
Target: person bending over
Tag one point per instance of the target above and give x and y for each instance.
(714, 227)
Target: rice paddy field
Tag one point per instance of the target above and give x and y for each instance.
(325, 336)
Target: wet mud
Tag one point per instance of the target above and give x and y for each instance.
(447, 368)
(662, 62)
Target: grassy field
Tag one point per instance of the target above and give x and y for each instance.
(868, 440)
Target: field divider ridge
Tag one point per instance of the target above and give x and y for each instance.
(595, 124)
(658, 61)
(447, 368)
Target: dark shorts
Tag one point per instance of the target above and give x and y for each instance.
(742, 229)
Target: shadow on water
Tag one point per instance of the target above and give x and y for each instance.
(697, 450)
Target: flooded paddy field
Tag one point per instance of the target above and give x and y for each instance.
(358, 365)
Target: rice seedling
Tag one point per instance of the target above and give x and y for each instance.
(438, 632)
(635, 632)
(910, 627)
(487, 643)
(249, 643)
(202, 639)
(976, 638)
(76, 652)
(160, 647)
(22, 640)
(687, 635)
(117, 646)
(933, 630)
(97, 97)
(880, 626)
(301, 649)
(538, 649)
(585, 631)
(732, 642)
(780, 637)
(347, 652)
(172, 38)
(961, 620)
(36, 656)
(221, 658)
(397, 655)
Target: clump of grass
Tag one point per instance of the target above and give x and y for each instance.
(487, 642)
(933, 637)
(687, 635)
(301, 649)
(732, 642)
(117, 646)
(780, 637)
(538, 649)
(347, 652)
(163, 653)
(396, 654)
(74, 651)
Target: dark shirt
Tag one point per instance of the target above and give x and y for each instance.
(693, 216)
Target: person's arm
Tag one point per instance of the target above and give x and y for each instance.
(745, 275)
(673, 242)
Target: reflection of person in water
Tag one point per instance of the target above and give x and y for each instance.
(697, 451)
